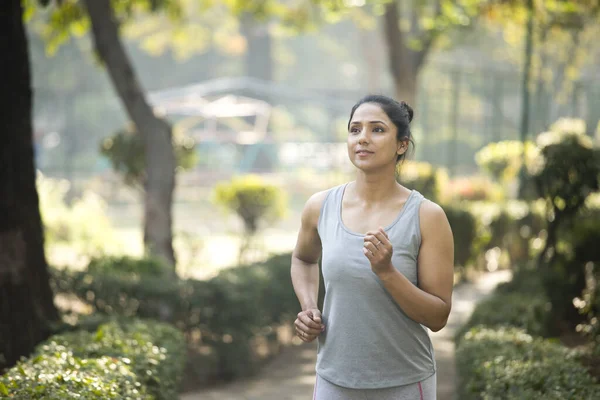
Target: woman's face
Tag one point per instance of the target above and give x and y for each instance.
(372, 142)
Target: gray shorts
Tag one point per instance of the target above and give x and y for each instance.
(424, 390)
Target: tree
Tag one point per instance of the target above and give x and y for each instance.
(258, 57)
(408, 47)
(26, 300)
(155, 132)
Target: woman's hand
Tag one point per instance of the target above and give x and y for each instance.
(378, 249)
(308, 325)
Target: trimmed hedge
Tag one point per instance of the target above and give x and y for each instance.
(118, 360)
(222, 315)
(530, 312)
(508, 363)
(501, 354)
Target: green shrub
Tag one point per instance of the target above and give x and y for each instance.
(525, 281)
(83, 224)
(503, 160)
(527, 311)
(507, 363)
(251, 199)
(125, 150)
(254, 201)
(509, 225)
(227, 311)
(474, 188)
(126, 265)
(464, 230)
(60, 375)
(131, 359)
(423, 177)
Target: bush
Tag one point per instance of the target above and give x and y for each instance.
(226, 312)
(125, 151)
(254, 201)
(423, 177)
(528, 311)
(509, 226)
(464, 230)
(508, 363)
(83, 224)
(251, 199)
(118, 360)
(128, 266)
(503, 160)
(474, 189)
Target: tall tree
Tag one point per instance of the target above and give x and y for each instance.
(26, 300)
(410, 30)
(156, 133)
(258, 57)
(105, 16)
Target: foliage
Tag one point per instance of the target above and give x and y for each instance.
(422, 177)
(528, 311)
(568, 173)
(252, 199)
(503, 160)
(510, 226)
(256, 299)
(508, 363)
(131, 359)
(84, 223)
(570, 169)
(125, 150)
(464, 230)
(127, 266)
(473, 189)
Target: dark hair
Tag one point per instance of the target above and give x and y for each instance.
(400, 113)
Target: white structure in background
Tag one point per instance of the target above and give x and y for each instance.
(198, 110)
(204, 105)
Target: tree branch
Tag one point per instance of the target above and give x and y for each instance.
(427, 38)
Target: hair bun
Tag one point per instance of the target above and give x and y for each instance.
(408, 109)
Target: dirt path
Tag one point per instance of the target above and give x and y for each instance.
(291, 375)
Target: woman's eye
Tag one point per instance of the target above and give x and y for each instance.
(377, 129)
(354, 130)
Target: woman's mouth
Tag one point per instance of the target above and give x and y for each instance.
(363, 153)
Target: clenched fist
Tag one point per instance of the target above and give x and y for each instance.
(309, 325)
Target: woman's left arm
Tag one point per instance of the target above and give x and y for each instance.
(430, 302)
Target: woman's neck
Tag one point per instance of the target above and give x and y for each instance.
(373, 189)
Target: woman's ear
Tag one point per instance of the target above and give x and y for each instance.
(402, 147)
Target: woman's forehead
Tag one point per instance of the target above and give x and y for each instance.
(369, 112)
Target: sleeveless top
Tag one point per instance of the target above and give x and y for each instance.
(369, 342)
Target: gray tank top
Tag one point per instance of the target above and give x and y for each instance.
(369, 342)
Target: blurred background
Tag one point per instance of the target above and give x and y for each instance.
(177, 141)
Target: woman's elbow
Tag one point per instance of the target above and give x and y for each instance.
(438, 326)
(440, 322)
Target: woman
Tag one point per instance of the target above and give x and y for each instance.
(387, 259)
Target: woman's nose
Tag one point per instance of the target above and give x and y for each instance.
(362, 138)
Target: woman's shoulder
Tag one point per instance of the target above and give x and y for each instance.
(314, 204)
(431, 215)
(430, 210)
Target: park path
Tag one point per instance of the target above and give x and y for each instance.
(291, 375)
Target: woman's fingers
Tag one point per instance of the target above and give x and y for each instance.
(301, 326)
(381, 237)
(306, 319)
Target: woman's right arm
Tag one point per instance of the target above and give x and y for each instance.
(305, 270)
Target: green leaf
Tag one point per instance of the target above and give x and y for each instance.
(3, 389)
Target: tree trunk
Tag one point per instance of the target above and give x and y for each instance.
(26, 300)
(405, 63)
(156, 133)
(259, 59)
